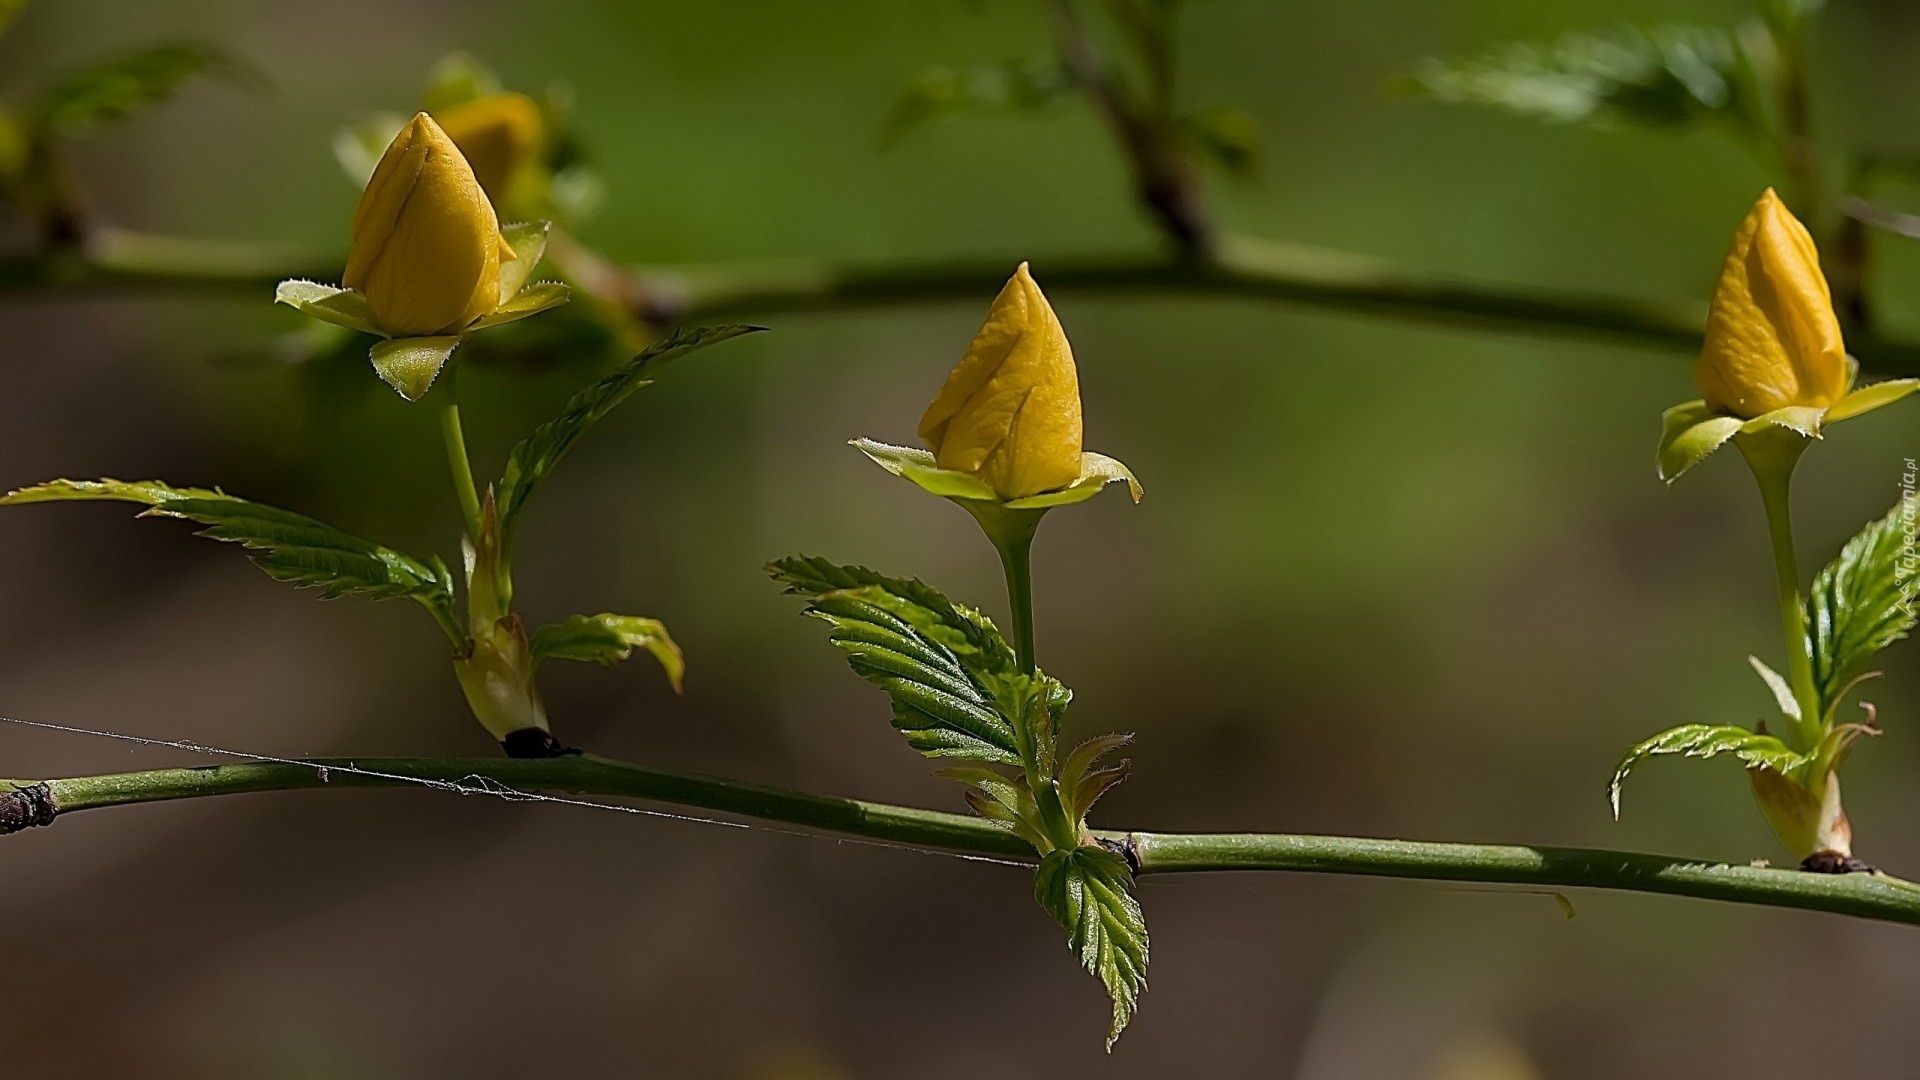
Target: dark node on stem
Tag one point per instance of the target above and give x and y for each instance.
(26, 807)
(1832, 862)
(533, 742)
(1126, 849)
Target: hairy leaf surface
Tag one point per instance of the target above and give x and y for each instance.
(1755, 751)
(943, 666)
(288, 546)
(608, 639)
(88, 100)
(1860, 603)
(1088, 892)
(1666, 76)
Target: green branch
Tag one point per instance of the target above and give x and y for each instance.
(32, 803)
(1242, 267)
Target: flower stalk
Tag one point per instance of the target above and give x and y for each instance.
(1772, 458)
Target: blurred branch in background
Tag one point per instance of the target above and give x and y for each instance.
(115, 260)
(1744, 80)
(33, 803)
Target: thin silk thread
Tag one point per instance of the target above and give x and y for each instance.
(481, 785)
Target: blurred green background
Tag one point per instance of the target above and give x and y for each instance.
(1389, 579)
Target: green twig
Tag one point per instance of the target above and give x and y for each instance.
(1862, 895)
(1240, 267)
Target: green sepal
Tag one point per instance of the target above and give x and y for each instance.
(528, 239)
(1865, 399)
(1688, 433)
(607, 639)
(1096, 471)
(410, 364)
(1802, 420)
(1859, 604)
(531, 300)
(1692, 430)
(1088, 891)
(534, 458)
(1755, 750)
(290, 547)
(328, 303)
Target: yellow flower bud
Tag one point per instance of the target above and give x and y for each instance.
(500, 135)
(426, 247)
(1772, 338)
(1009, 413)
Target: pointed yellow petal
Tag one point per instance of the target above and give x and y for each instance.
(1009, 412)
(1772, 338)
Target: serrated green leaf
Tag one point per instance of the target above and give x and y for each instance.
(1755, 751)
(534, 459)
(1088, 891)
(957, 687)
(961, 630)
(88, 100)
(410, 364)
(1862, 602)
(608, 639)
(1666, 76)
(1013, 86)
(290, 547)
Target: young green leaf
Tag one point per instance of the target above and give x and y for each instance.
(1860, 603)
(1667, 76)
(88, 100)
(288, 546)
(967, 633)
(1088, 892)
(608, 639)
(1081, 785)
(1755, 751)
(534, 459)
(905, 638)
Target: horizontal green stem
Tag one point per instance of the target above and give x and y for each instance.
(1866, 896)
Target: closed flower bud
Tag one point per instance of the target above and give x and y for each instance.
(499, 135)
(426, 244)
(1772, 338)
(1009, 413)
